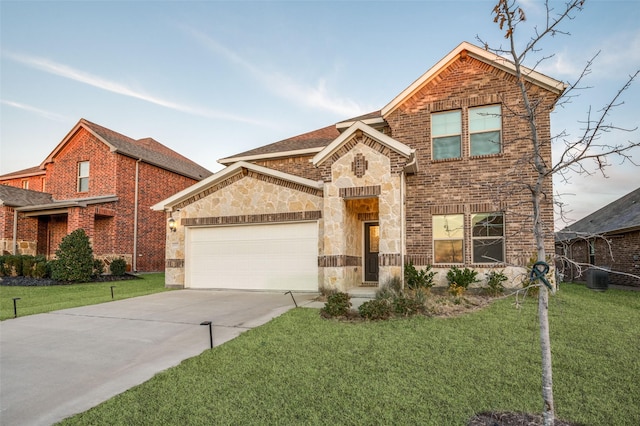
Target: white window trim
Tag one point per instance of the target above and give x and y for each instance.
(446, 135)
(504, 241)
(498, 129)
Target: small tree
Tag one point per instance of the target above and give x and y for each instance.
(587, 147)
(74, 258)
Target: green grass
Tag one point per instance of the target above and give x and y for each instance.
(301, 369)
(37, 300)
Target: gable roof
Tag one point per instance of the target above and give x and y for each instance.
(621, 215)
(315, 141)
(359, 126)
(17, 197)
(480, 54)
(147, 149)
(31, 171)
(227, 173)
(306, 143)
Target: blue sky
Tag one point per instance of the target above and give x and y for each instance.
(210, 79)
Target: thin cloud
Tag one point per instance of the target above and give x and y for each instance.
(43, 113)
(317, 96)
(66, 71)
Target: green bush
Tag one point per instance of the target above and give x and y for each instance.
(494, 282)
(98, 267)
(418, 278)
(12, 265)
(407, 306)
(118, 266)
(376, 309)
(463, 278)
(74, 258)
(337, 305)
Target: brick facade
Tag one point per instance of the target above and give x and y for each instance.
(469, 185)
(115, 227)
(619, 252)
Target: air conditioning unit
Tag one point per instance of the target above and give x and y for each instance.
(597, 279)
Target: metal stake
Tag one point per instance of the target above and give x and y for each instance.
(15, 309)
(210, 332)
(294, 300)
(112, 287)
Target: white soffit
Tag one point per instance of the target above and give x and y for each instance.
(294, 153)
(480, 54)
(226, 173)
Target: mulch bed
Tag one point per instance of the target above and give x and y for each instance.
(39, 282)
(513, 419)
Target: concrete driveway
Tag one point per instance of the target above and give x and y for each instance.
(58, 364)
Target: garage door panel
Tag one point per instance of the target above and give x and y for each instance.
(256, 257)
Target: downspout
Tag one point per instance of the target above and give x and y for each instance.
(134, 260)
(403, 225)
(15, 231)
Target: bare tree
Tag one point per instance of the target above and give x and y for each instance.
(588, 146)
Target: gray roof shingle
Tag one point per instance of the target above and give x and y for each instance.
(150, 151)
(620, 215)
(18, 197)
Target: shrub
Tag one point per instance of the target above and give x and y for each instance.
(456, 290)
(376, 309)
(74, 258)
(28, 263)
(462, 278)
(407, 306)
(12, 265)
(98, 267)
(118, 266)
(494, 282)
(337, 305)
(40, 268)
(416, 278)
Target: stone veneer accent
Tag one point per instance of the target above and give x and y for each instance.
(244, 198)
(175, 263)
(339, 261)
(252, 218)
(360, 192)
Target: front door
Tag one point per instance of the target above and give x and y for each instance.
(371, 249)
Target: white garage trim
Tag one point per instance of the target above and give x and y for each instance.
(281, 256)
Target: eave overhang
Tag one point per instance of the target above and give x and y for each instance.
(169, 203)
(465, 48)
(359, 126)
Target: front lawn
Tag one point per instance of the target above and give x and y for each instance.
(302, 369)
(37, 300)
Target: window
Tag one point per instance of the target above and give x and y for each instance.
(448, 238)
(484, 130)
(25, 184)
(446, 135)
(44, 184)
(488, 237)
(592, 252)
(83, 176)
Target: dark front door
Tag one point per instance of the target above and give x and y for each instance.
(371, 249)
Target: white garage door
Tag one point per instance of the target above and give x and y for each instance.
(253, 257)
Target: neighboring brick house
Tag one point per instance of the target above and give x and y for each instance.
(608, 238)
(103, 182)
(425, 179)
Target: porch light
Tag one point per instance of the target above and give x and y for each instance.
(172, 224)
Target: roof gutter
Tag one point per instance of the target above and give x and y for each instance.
(134, 260)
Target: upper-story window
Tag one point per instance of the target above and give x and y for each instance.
(83, 176)
(446, 135)
(485, 124)
(25, 184)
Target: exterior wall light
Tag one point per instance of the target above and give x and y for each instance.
(172, 224)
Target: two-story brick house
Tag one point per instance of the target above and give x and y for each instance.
(429, 179)
(103, 182)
